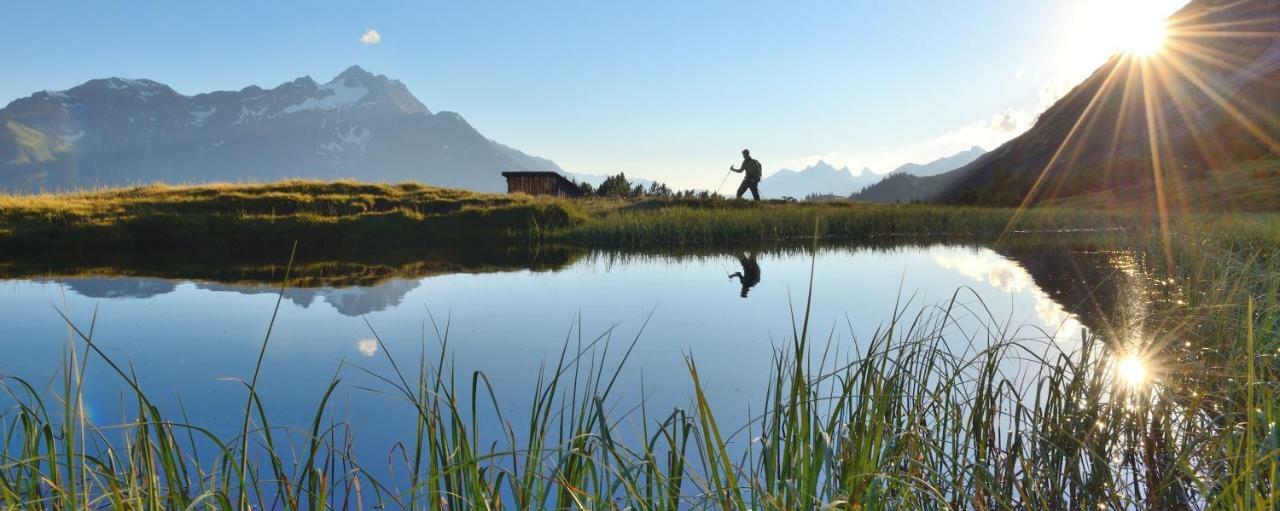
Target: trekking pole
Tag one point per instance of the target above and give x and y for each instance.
(722, 180)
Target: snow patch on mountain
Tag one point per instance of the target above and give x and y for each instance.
(357, 136)
(334, 96)
(247, 115)
(71, 138)
(199, 117)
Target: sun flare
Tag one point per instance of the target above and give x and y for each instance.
(1102, 28)
(1131, 370)
(1144, 38)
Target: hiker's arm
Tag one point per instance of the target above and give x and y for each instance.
(731, 167)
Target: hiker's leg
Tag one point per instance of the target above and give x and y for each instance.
(755, 190)
(742, 188)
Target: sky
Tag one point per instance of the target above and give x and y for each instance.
(667, 90)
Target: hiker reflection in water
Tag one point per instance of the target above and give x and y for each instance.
(750, 274)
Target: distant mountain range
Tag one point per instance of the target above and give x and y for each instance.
(824, 179)
(819, 178)
(903, 184)
(941, 165)
(117, 131)
(1212, 97)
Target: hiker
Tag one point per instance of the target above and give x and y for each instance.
(750, 274)
(751, 180)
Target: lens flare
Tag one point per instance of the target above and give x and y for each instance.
(1132, 370)
(1144, 38)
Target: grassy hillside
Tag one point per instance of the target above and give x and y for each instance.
(1252, 186)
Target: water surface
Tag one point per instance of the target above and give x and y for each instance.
(190, 338)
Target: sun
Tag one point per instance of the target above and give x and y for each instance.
(1134, 27)
(1099, 29)
(1131, 370)
(1144, 38)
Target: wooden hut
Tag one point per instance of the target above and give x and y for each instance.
(541, 183)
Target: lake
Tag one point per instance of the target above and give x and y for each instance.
(190, 332)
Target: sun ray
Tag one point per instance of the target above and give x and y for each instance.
(1213, 155)
(1130, 90)
(1217, 58)
(1225, 103)
(1157, 170)
(1107, 83)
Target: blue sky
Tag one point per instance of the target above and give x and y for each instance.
(670, 90)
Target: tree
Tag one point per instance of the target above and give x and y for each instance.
(615, 186)
(657, 189)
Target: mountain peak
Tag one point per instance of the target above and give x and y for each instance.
(823, 166)
(355, 73)
(117, 83)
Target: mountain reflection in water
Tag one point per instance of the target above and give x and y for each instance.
(1105, 291)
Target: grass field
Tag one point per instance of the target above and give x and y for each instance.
(323, 215)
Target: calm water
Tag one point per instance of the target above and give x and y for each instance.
(193, 337)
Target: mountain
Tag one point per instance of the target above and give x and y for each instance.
(820, 178)
(117, 131)
(941, 165)
(905, 183)
(1151, 129)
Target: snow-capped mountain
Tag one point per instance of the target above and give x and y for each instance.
(819, 178)
(359, 125)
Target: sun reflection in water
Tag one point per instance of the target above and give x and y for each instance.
(1132, 370)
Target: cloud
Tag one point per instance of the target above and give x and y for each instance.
(987, 133)
(1007, 276)
(367, 347)
(370, 36)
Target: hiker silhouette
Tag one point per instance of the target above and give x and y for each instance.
(750, 181)
(750, 274)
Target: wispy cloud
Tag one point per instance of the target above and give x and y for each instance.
(370, 36)
(987, 133)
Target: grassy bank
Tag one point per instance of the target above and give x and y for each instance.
(322, 215)
(232, 217)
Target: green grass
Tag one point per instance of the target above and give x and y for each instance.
(322, 216)
(907, 420)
